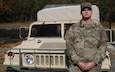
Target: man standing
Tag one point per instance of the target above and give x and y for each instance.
(86, 43)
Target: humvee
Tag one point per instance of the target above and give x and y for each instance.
(43, 48)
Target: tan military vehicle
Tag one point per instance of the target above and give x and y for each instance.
(44, 46)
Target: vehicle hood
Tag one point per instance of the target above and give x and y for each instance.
(41, 44)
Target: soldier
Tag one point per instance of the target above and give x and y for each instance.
(86, 43)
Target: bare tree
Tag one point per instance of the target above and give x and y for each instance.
(4, 6)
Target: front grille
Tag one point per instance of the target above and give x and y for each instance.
(50, 60)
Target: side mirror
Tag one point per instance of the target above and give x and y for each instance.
(23, 32)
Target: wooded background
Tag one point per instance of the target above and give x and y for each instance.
(26, 10)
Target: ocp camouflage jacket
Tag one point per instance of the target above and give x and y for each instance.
(86, 42)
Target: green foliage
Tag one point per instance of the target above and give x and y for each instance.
(5, 16)
(26, 10)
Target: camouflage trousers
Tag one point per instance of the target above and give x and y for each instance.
(74, 68)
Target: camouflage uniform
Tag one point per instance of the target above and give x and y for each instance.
(86, 43)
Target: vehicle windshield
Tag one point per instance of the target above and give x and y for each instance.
(46, 30)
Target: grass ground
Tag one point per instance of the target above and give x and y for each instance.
(106, 24)
(19, 24)
(11, 29)
(14, 25)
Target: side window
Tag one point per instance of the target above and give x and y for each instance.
(111, 35)
(108, 35)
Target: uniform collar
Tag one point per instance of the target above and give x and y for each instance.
(82, 25)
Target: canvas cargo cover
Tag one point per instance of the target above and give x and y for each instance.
(64, 13)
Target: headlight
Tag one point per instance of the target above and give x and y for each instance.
(29, 58)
